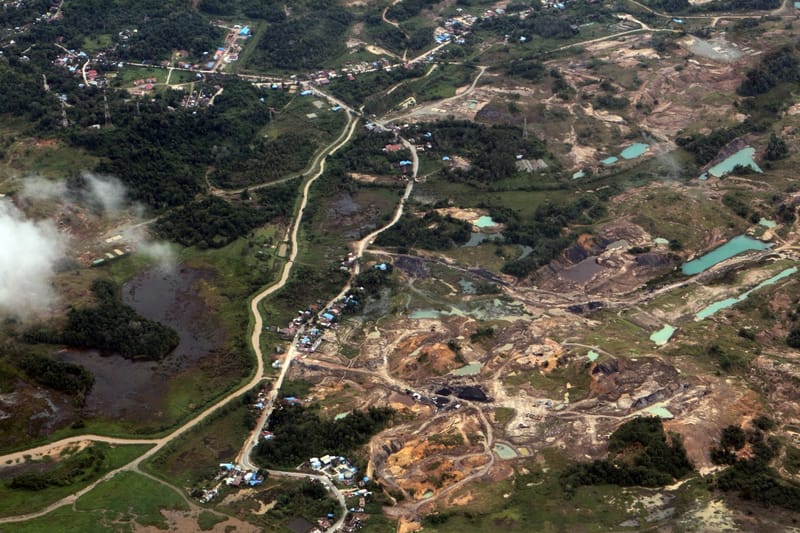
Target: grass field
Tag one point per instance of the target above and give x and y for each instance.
(194, 457)
(129, 496)
(19, 501)
(51, 160)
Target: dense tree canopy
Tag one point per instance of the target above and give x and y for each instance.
(299, 433)
(780, 66)
(639, 454)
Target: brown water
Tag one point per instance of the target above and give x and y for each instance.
(126, 388)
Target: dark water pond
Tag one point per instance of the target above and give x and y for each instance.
(125, 388)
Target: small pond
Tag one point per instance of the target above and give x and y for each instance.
(477, 238)
(633, 151)
(660, 412)
(504, 451)
(472, 369)
(662, 336)
(485, 221)
(735, 246)
(767, 223)
(578, 175)
(609, 160)
(425, 313)
(592, 356)
(743, 157)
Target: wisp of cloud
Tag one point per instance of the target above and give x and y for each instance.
(29, 251)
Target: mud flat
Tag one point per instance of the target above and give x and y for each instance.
(735, 246)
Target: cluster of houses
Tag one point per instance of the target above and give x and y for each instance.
(361, 494)
(234, 476)
(337, 468)
(196, 98)
(261, 399)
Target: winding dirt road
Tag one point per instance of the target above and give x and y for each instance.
(255, 340)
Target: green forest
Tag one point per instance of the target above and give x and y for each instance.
(300, 433)
(431, 231)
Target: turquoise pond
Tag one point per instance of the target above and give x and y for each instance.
(662, 336)
(472, 369)
(743, 157)
(578, 175)
(633, 151)
(660, 412)
(767, 223)
(504, 451)
(610, 160)
(477, 238)
(728, 302)
(425, 313)
(735, 246)
(485, 222)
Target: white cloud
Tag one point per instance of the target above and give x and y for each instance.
(29, 251)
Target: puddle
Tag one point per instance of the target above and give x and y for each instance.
(743, 157)
(504, 452)
(472, 369)
(635, 150)
(341, 416)
(735, 246)
(660, 241)
(662, 336)
(728, 302)
(578, 175)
